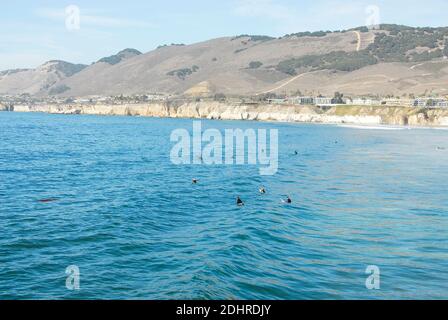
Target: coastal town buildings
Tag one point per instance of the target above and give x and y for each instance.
(323, 101)
(363, 102)
(398, 102)
(320, 101)
(422, 102)
(277, 101)
(426, 102)
(302, 100)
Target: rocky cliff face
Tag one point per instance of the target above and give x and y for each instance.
(226, 111)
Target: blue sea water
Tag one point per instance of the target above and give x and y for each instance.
(137, 227)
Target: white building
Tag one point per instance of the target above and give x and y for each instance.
(157, 97)
(302, 100)
(364, 102)
(277, 101)
(431, 102)
(398, 102)
(323, 101)
(420, 102)
(442, 103)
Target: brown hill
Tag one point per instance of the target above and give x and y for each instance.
(39, 80)
(393, 60)
(224, 63)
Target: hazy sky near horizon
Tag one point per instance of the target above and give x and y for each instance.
(37, 31)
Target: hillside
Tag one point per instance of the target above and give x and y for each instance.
(394, 60)
(120, 56)
(39, 80)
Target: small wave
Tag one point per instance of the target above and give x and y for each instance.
(367, 127)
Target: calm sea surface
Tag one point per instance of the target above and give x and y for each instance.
(138, 229)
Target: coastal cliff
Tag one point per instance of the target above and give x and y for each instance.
(363, 115)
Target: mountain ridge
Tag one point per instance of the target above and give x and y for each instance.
(393, 59)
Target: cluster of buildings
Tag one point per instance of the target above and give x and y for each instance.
(422, 102)
(120, 99)
(26, 99)
(22, 99)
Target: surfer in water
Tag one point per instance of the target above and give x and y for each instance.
(262, 190)
(48, 200)
(288, 200)
(239, 202)
(195, 181)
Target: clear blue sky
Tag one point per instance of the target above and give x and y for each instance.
(35, 31)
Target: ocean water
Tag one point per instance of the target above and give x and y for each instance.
(137, 227)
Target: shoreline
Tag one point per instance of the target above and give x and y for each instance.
(403, 117)
(390, 127)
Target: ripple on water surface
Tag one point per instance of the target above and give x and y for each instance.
(139, 229)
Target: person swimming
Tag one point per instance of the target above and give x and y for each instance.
(239, 202)
(296, 153)
(262, 190)
(288, 200)
(48, 200)
(195, 181)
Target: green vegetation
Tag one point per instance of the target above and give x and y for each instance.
(70, 69)
(112, 60)
(254, 37)
(338, 98)
(337, 60)
(67, 68)
(58, 90)
(239, 50)
(362, 29)
(117, 58)
(388, 48)
(171, 45)
(255, 64)
(220, 97)
(397, 46)
(308, 34)
(426, 56)
(12, 71)
(184, 72)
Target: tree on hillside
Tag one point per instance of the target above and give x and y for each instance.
(220, 97)
(338, 97)
(255, 64)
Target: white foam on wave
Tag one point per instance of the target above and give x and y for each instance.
(367, 127)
